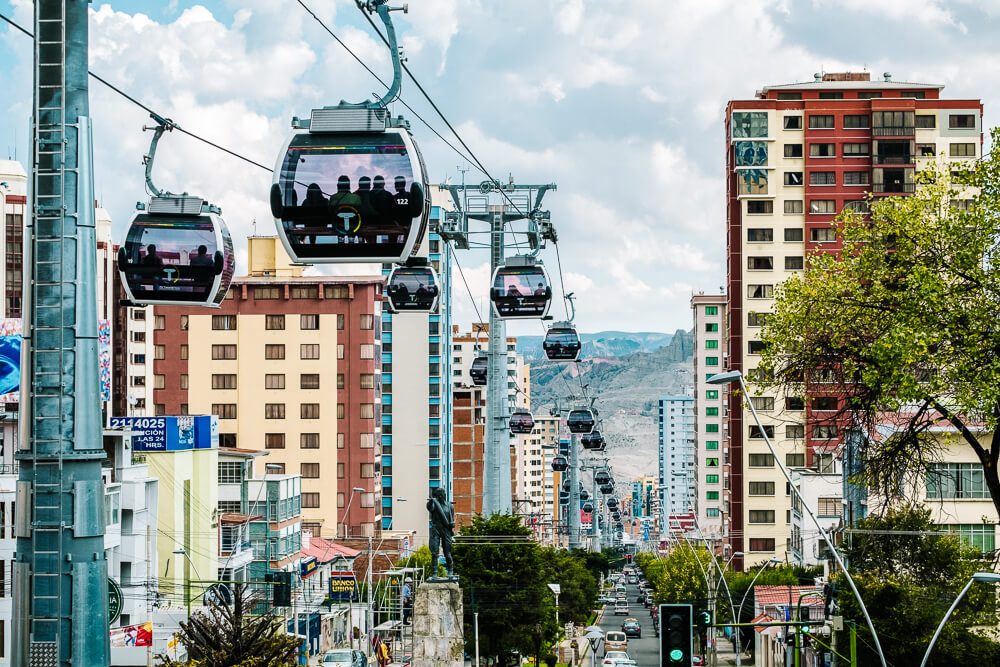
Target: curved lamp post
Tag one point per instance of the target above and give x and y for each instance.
(737, 376)
(978, 576)
(739, 612)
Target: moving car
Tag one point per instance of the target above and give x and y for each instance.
(615, 641)
(617, 659)
(621, 608)
(632, 579)
(631, 628)
(344, 657)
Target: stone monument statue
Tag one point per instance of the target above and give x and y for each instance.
(442, 532)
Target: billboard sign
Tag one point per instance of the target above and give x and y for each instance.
(169, 434)
(343, 587)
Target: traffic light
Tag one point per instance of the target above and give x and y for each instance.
(676, 645)
(704, 619)
(281, 588)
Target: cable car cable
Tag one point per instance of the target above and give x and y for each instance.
(467, 289)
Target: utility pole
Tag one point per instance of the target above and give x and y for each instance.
(575, 541)
(455, 227)
(60, 575)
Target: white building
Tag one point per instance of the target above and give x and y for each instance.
(676, 448)
(822, 493)
(711, 457)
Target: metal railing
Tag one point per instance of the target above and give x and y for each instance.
(892, 159)
(895, 131)
(893, 188)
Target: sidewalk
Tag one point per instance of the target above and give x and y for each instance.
(727, 656)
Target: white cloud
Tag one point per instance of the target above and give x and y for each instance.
(928, 12)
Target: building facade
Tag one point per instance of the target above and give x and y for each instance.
(416, 399)
(267, 362)
(798, 155)
(711, 457)
(676, 456)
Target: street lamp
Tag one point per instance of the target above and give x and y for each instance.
(737, 376)
(595, 636)
(739, 612)
(978, 576)
(348, 508)
(187, 577)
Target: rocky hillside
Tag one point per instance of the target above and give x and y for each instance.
(600, 344)
(628, 388)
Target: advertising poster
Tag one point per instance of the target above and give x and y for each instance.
(132, 635)
(342, 586)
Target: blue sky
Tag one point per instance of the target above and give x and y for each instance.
(618, 102)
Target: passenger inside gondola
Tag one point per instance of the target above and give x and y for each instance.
(518, 293)
(202, 258)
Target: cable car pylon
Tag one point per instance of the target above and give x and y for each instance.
(455, 228)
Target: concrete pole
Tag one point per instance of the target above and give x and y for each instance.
(496, 468)
(574, 492)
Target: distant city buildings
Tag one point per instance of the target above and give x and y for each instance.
(676, 456)
(711, 457)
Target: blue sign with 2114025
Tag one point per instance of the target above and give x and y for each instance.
(169, 434)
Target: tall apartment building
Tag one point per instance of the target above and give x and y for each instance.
(546, 431)
(267, 363)
(798, 154)
(711, 458)
(468, 445)
(643, 492)
(416, 398)
(676, 456)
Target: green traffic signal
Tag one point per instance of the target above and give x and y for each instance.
(676, 655)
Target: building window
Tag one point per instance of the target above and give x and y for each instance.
(367, 351)
(822, 150)
(824, 431)
(823, 463)
(711, 361)
(956, 480)
(367, 381)
(765, 403)
(856, 178)
(795, 460)
(184, 380)
(711, 327)
(829, 506)
(711, 345)
(274, 322)
(341, 471)
(794, 235)
(711, 412)
(855, 121)
(822, 206)
(367, 440)
(274, 411)
(823, 235)
(822, 178)
(793, 207)
(308, 322)
(756, 319)
(712, 512)
(926, 121)
(760, 207)
(309, 470)
(763, 544)
(711, 495)
(227, 440)
(794, 263)
(159, 381)
(711, 428)
(309, 381)
(274, 351)
(367, 411)
(711, 310)
(340, 322)
(274, 381)
(184, 351)
(341, 411)
(795, 431)
(792, 122)
(755, 347)
(224, 322)
(340, 380)
(712, 463)
(311, 500)
(224, 410)
(340, 350)
(274, 440)
(964, 121)
(793, 178)
(760, 263)
(309, 351)
(821, 122)
(309, 411)
(711, 444)
(981, 536)
(761, 516)
(793, 150)
(160, 409)
(138, 336)
(760, 291)
(367, 322)
(831, 95)
(340, 441)
(223, 381)
(962, 150)
(309, 441)
(223, 352)
(824, 402)
(266, 293)
(761, 489)
(762, 460)
(760, 235)
(159, 352)
(367, 470)
(160, 323)
(711, 479)
(856, 150)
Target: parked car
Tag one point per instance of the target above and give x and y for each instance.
(621, 608)
(656, 627)
(615, 641)
(697, 661)
(344, 657)
(631, 628)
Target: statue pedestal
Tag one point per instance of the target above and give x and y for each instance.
(437, 625)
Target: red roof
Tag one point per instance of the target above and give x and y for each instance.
(763, 618)
(326, 551)
(769, 596)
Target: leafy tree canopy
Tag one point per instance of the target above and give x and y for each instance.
(900, 317)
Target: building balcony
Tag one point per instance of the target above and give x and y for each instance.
(893, 188)
(892, 159)
(898, 131)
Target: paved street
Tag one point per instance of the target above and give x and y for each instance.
(645, 651)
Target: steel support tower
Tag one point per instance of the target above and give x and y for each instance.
(60, 574)
(496, 465)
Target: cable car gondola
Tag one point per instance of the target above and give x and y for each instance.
(584, 494)
(521, 289)
(607, 489)
(560, 464)
(178, 250)
(593, 441)
(564, 447)
(580, 421)
(612, 503)
(588, 506)
(521, 422)
(602, 477)
(561, 342)
(478, 370)
(564, 497)
(413, 287)
(350, 183)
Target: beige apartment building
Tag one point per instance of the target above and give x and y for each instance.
(797, 155)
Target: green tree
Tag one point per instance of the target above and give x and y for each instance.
(233, 636)
(578, 587)
(902, 320)
(504, 579)
(908, 575)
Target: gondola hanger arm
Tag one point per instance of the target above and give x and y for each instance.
(162, 125)
(382, 8)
